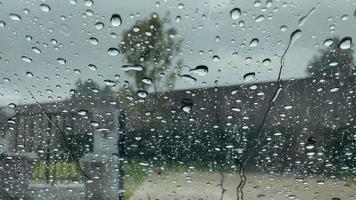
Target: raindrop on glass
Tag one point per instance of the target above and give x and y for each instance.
(45, 7)
(2, 24)
(99, 25)
(266, 61)
(36, 50)
(142, 93)
(147, 81)
(116, 20)
(93, 41)
(88, 3)
(132, 67)
(201, 70)
(235, 13)
(26, 59)
(216, 58)
(249, 76)
(92, 67)
(113, 51)
(328, 42)
(260, 18)
(254, 42)
(61, 61)
(345, 43)
(15, 17)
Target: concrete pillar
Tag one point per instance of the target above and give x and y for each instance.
(102, 164)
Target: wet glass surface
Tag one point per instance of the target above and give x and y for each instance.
(214, 99)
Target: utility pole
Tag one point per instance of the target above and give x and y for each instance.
(121, 152)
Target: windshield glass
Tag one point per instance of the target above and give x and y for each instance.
(163, 99)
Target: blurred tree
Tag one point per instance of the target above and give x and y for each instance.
(332, 61)
(151, 46)
(85, 91)
(339, 150)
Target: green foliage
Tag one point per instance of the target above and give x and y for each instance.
(80, 144)
(339, 151)
(322, 66)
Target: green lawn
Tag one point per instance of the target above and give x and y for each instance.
(55, 173)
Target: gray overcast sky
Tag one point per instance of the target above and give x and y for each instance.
(67, 24)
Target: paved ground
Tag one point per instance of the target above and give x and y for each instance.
(205, 185)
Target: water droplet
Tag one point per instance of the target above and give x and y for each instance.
(147, 81)
(12, 105)
(257, 3)
(249, 76)
(187, 109)
(235, 13)
(142, 93)
(116, 20)
(82, 112)
(345, 43)
(73, 2)
(29, 74)
(303, 19)
(45, 7)
(253, 87)
(28, 38)
(95, 123)
(2, 24)
(266, 61)
(93, 41)
(333, 64)
(92, 67)
(216, 58)
(189, 78)
(99, 25)
(178, 19)
(36, 50)
(61, 61)
(334, 89)
(144, 164)
(77, 71)
(132, 67)
(180, 6)
(201, 70)
(113, 51)
(254, 42)
(136, 29)
(288, 107)
(321, 182)
(26, 59)
(284, 28)
(260, 18)
(344, 17)
(109, 82)
(328, 42)
(15, 17)
(295, 36)
(88, 3)
(236, 109)
(233, 92)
